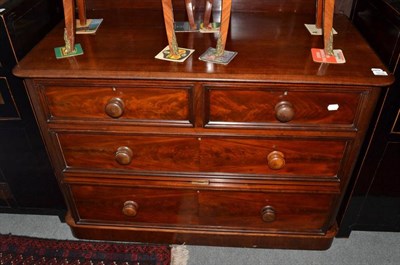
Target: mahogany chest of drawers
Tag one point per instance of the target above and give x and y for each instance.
(257, 153)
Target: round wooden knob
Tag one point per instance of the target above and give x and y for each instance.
(268, 214)
(276, 160)
(284, 111)
(123, 156)
(130, 208)
(115, 107)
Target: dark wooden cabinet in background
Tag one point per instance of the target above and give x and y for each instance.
(375, 200)
(27, 183)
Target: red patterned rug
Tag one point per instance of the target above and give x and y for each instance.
(27, 250)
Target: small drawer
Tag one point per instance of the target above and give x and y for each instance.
(140, 103)
(286, 158)
(255, 107)
(242, 210)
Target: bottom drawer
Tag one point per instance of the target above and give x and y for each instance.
(202, 209)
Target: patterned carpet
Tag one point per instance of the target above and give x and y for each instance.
(29, 250)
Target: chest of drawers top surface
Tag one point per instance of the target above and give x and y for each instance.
(273, 47)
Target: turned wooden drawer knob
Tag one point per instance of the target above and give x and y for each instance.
(115, 107)
(284, 111)
(123, 156)
(276, 160)
(268, 214)
(130, 208)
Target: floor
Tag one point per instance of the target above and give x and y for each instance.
(363, 248)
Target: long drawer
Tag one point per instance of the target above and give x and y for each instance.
(208, 209)
(281, 157)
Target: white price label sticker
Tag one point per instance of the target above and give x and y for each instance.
(378, 71)
(333, 107)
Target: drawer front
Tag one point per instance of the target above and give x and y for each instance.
(293, 158)
(196, 208)
(257, 108)
(140, 104)
(129, 152)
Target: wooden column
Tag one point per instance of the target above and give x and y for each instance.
(225, 17)
(318, 15)
(329, 6)
(69, 33)
(207, 13)
(82, 11)
(189, 11)
(169, 26)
